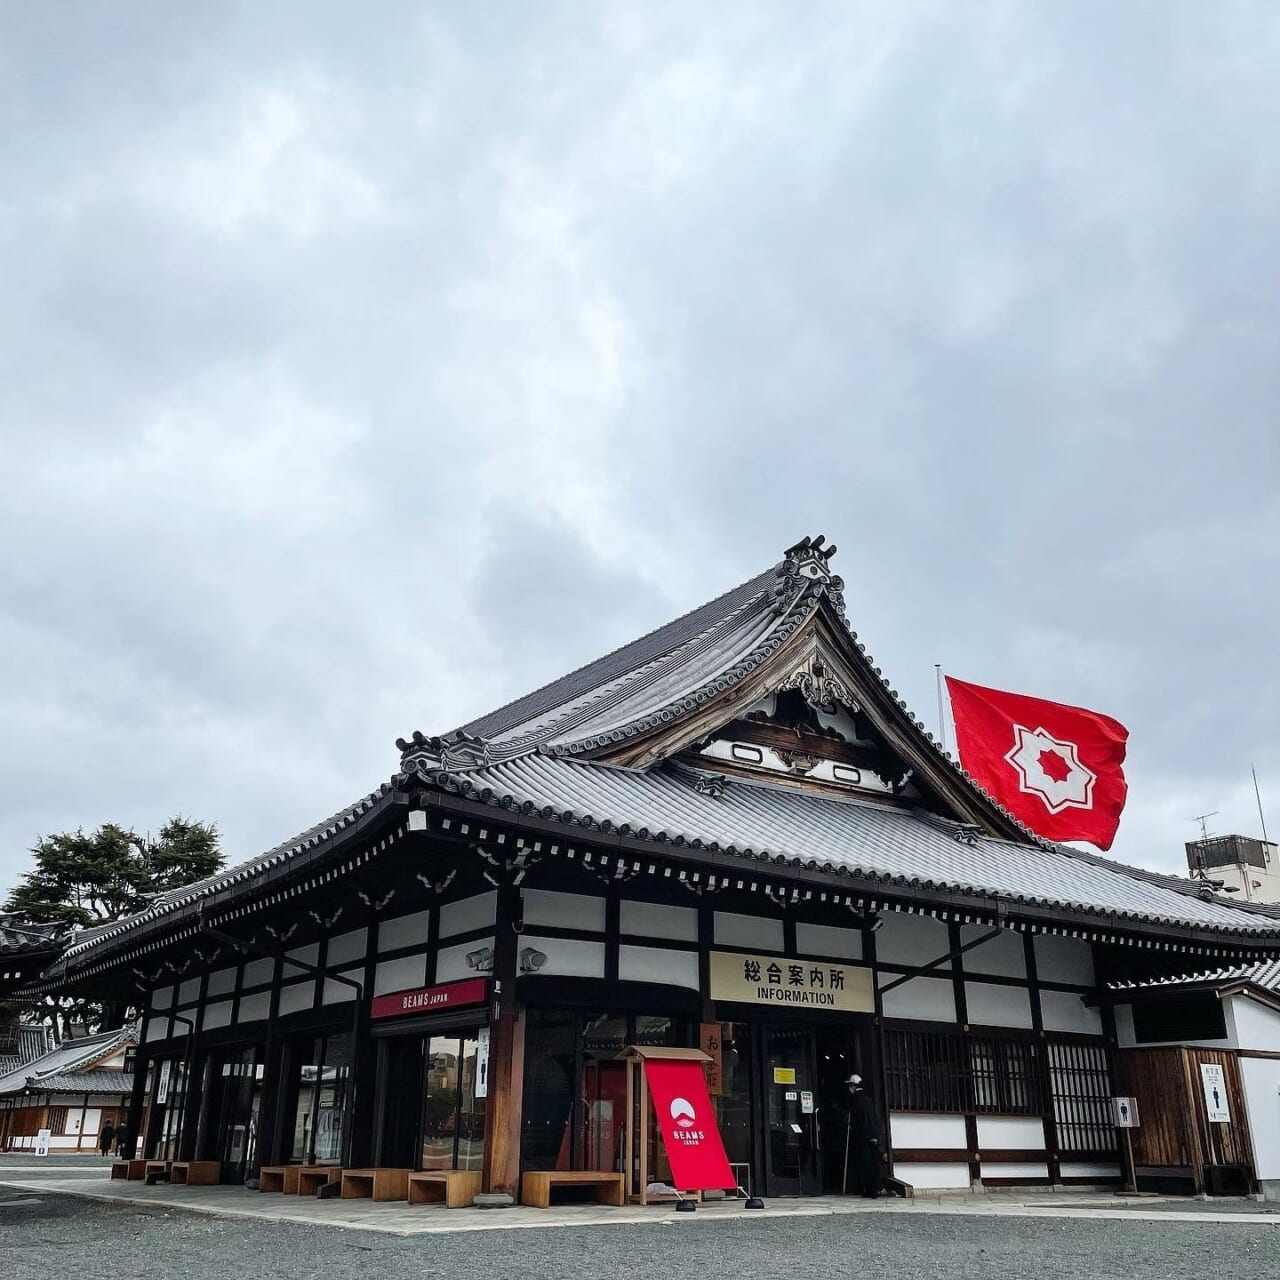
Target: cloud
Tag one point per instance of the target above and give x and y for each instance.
(358, 377)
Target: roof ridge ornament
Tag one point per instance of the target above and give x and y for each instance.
(806, 568)
(456, 750)
(822, 690)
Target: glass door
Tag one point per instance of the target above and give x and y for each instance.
(238, 1081)
(791, 1147)
(453, 1118)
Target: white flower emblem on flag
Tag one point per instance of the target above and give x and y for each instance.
(1050, 768)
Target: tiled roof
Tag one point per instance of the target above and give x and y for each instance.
(1265, 975)
(778, 824)
(84, 1082)
(17, 937)
(66, 1058)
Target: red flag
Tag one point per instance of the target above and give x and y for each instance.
(688, 1124)
(1056, 768)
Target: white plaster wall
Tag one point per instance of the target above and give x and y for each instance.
(254, 1008)
(346, 948)
(1089, 1170)
(828, 940)
(451, 962)
(652, 964)
(917, 1130)
(568, 956)
(1257, 1025)
(993, 1006)
(751, 933)
(932, 999)
(563, 910)
(1014, 1170)
(656, 920)
(162, 997)
(222, 981)
(400, 975)
(1010, 1133)
(1261, 1078)
(404, 931)
(296, 997)
(1002, 957)
(309, 954)
(909, 940)
(340, 992)
(1063, 960)
(467, 914)
(157, 1029)
(189, 991)
(191, 1014)
(1066, 1011)
(217, 1015)
(934, 1177)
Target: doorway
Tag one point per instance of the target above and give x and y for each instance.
(236, 1079)
(453, 1112)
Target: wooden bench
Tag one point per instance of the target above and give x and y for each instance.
(375, 1184)
(456, 1188)
(313, 1178)
(279, 1177)
(131, 1170)
(154, 1171)
(535, 1189)
(195, 1173)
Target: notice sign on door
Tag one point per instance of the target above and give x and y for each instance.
(809, 984)
(1214, 1081)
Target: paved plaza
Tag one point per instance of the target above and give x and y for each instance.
(60, 1218)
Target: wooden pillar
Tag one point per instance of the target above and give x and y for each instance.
(265, 1151)
(506, 1058)
(133, 1122)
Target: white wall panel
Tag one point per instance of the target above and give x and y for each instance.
(340, 992)
(1063, 960)
(400, 975)
(189, 991)
(912, 1130)
(451, 962)
(1257, 1025)
(296, 997)
(1003, 956)
(222, 981)
(1010, 1133)
(934, 1177)
(1089, 1170)
(1014, 1170)
(827, 940)
(652, 964)
(468, 914)
(192, 1020)
(254, 1008)
(657, 920)
(1065, 1011)
(404, 931)
(910, 940)
(1261, 1079)
(751, 933)
(157, 1029)
(162, 998)
(563, 910)
(993, 1006)
(347, 948)
(932, 999)
(216, 1015)
(310, 954)
(257, 973)
(568, 956)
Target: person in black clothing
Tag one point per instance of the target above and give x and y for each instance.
(864, 1133)
(106, 1137)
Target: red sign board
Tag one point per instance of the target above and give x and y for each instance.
(431, 999)
(688, 1124)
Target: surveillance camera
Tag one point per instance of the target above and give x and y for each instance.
(481, 958)
(531, 959)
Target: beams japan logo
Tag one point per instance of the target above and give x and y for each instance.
(682, 1113)
(1050, 769)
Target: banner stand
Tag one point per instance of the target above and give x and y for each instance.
(636, 1131)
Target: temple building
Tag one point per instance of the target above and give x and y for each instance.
(729, 835)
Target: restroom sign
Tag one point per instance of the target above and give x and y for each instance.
(1125, 1113)
(1214, 1081)
(745, 978)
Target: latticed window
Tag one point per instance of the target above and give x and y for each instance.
(952, 1071)
(56, 1120)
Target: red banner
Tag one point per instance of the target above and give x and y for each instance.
(688, 1124)
(431, 999)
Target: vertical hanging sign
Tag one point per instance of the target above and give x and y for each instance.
(482, 1063)
(688, 1125)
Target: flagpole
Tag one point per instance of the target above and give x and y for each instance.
(942, 720)
(1258, 796)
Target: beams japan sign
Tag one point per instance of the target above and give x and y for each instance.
(745, 978)
(450, 995)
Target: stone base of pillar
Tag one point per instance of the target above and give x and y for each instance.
(494, 1200)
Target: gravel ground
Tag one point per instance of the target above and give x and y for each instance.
(54, 1236)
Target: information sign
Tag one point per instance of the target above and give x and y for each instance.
(1214, 1081)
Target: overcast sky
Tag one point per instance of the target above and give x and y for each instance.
(362, 367)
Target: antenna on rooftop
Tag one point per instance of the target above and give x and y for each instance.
(1258, 795)
(1203, 820)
